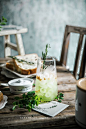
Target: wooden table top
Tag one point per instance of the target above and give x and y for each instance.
(22, 119)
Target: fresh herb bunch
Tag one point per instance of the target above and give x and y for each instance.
(2, 22)
(20, 60)
(45, 54)
(60, 97)
(27, 101)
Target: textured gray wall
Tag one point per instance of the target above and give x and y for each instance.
(45, 20)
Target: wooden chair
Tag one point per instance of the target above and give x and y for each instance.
(64, 52)
(19, 43)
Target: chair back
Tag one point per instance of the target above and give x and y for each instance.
(64, 53)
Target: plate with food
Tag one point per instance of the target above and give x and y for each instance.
(3, 100)
(22, 66)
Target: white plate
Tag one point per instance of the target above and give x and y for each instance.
(51, 108)
(15, 73)
(8, 73)
(3, 102)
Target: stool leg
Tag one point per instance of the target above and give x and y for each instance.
(7, 50)
(19, 42)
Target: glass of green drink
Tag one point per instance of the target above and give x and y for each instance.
(46, 79)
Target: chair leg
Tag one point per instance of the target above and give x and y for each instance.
(19, 42)
(7, 50)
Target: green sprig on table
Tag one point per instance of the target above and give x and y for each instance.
(60, 97)
(27, 101)
(45, 54)
(2, 22)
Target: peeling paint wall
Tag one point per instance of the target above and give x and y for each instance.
(45, 20)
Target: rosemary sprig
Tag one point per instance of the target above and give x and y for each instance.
(20, 60)
(45, 54)
(27, 101)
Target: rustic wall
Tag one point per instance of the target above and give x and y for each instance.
(45, 20)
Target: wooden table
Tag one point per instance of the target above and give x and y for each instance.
(22, 119)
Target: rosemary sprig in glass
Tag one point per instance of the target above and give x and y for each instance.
(44, 55)
(20, 60)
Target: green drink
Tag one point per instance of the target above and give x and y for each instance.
(46, 83)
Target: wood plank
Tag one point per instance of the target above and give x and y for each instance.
(64, 52)
(69, 98)
(14, 31)
(59, 123)
(77, 58)
(66, 87)
(4, 60)
(76, 29)
(65, 78)
(83, 63)
(7, 51)
(11, 45)
(20, 46)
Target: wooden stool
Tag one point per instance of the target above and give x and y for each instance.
(19, 43)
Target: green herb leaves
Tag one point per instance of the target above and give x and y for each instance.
(60, 97)
(27, 101)
(46, 51)
(2, 21)
(45, 54)
(20, 60)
